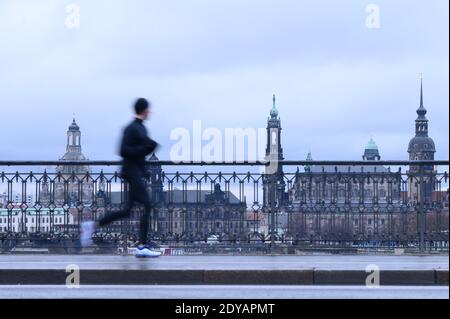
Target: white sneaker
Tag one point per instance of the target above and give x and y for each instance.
(146, 252)
(87, 229)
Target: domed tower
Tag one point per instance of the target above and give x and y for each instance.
(421, 147)
(73, 154)
(371, 151)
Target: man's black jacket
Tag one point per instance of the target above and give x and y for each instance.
(134, 147)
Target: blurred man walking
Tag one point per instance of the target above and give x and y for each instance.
(135, 146)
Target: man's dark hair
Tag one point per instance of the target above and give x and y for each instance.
(140, 105)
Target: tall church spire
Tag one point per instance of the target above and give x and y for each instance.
(421, 91)
(274, 110)
(421, 146)
(421, 111)
(421, 121)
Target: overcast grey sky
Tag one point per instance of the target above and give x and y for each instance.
(220, 61)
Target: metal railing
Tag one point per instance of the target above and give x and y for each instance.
(332, 205)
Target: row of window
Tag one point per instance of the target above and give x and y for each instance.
(30, 229)
(236, 225)
(56, 220)
(190, 214)
(342, 193)
(202, 225)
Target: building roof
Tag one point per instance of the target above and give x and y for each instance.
(176, 197)
(371, 145)
(348, 169)
(74, 126)
(421, 143)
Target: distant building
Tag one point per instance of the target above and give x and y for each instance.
(441, 197)
(32, 220)
(367, 200)
(3, 199)
(344, 191)
(189, 212)
(204, 212)
(345, 183)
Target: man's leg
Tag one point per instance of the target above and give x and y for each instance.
(145, 247)
(142, 196)
(88, 227)
(113, 216)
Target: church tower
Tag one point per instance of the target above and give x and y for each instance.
(274, 154)
(421, 147)
(73, 153)
(274, 151)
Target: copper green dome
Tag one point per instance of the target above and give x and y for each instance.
(371, 145)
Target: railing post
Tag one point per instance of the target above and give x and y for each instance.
(272, 203)
(421, 211)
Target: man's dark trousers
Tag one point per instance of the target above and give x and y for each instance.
(137, 193)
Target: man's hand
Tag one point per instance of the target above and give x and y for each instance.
(151, 145)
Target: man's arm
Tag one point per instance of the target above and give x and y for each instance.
(152, 145)
(129, 147)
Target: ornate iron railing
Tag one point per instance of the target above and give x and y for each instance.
(301, 205)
